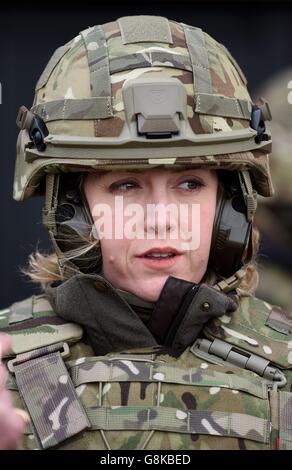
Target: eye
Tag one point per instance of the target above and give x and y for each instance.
(123, 186)
(191, 184)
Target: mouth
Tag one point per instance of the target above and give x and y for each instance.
(160, 258)
(163, 253)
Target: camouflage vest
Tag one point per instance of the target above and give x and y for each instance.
(230, 390)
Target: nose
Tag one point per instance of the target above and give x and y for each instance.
(160, 216)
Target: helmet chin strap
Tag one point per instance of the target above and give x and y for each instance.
(230, 283)
(249, 194)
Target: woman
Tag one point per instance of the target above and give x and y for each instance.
(144, 140)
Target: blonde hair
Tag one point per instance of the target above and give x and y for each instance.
(44, 268)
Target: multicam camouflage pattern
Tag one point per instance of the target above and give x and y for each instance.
(48, 393)
(251, 327)
(80, 94)
(148, 399)
(70, 79)
(43, 327)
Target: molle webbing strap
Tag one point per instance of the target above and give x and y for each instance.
(217, 105)
(93, 370)
(285, 421)
(98, 107)
(98, 62)
(49, 395)
(199, 58)
(144, 28)
(205, 100)
(161, 418)
(150, 58)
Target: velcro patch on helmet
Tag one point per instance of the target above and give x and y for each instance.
(145, 28)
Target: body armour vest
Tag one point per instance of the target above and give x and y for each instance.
(102, 376)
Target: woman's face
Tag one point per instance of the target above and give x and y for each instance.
(153, 224)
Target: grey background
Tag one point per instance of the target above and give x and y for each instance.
(259, 35)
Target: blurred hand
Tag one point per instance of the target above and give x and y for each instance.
(12, 420)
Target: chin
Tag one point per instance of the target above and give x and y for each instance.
(150, 291)
(148, 296)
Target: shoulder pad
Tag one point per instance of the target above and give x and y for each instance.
(32, 323)
(258, 327)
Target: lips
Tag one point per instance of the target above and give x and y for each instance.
(160, 252)
(160, 258)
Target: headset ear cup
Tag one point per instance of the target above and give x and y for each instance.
(76, 235)
(231, 245)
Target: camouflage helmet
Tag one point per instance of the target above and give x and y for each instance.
(142, 91)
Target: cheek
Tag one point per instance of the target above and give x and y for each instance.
(201, 219)
(206, 226)
(199, 257)
(114, 252)
(207, 220)
(109, 248)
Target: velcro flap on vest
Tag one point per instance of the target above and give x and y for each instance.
(33, 324)
(49, 395)
(249, 328)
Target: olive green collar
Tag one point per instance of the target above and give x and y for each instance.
(134, 300)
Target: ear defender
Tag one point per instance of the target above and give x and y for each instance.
(75, 226)
(231, 245)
